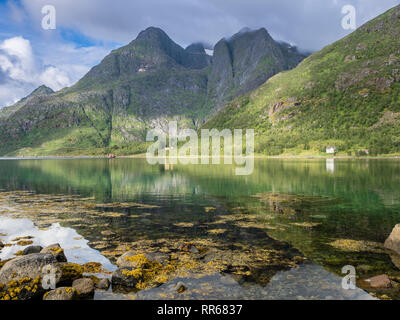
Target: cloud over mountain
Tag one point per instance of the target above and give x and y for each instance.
(20, 71)
(88, 30)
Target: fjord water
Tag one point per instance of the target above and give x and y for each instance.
(316, 208)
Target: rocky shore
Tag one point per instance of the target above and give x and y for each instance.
(44, 273)
(179, 268)
(38, 273)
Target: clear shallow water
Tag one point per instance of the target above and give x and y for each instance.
(333, 213)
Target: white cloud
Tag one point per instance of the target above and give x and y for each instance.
(309, 24)
(54, 78)
(58, 66)
(11, 92)
(21, 72)
(16, 59)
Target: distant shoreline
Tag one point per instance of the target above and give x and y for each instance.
(143, 156)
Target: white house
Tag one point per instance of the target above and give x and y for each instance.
(331, 150)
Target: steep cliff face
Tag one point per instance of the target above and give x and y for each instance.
(346, 96)
(244, 62)
(220, 81)
(138, 87)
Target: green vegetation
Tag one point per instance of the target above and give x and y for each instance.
(346, 96)
(135, 88)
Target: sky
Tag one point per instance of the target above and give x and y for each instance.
(87, 30)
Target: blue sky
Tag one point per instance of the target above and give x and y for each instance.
(87, 30)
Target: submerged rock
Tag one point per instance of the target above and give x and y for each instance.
(63, 293)
(130, 259)
(56, 251)
(84, 287)
(349, 245)
(180, 287)
(393, 241)
(380, 282)
(32, 249)
(1, 245)
(107, 233)
(188, 247)
(93, 267)
(29, 266)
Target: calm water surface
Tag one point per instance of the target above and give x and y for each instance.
(331, 212)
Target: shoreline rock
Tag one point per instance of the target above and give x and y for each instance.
(124, 277)
(393, 241)
(47, 275)
(56, 251)
(32, 249)
(29, 266)
(84, 287)
(61, 294)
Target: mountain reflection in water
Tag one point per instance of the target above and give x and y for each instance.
(253, 228)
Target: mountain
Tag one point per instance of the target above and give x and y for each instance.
(139, 87)
(244, 62)
(346, 96)
(40, 91)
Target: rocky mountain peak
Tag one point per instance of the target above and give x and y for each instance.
(245, 61)
(156, 37)
(42, 90)
(196, 48)
(38, 92)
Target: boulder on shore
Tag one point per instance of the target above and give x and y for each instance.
(23, 289)
(56, 251)
(29, 266)
(32, 249)
(63, 293)
(84, 287)
(393, 241)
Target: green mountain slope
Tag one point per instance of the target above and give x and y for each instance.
(138, 87)
(41, 91)
(345, 96)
